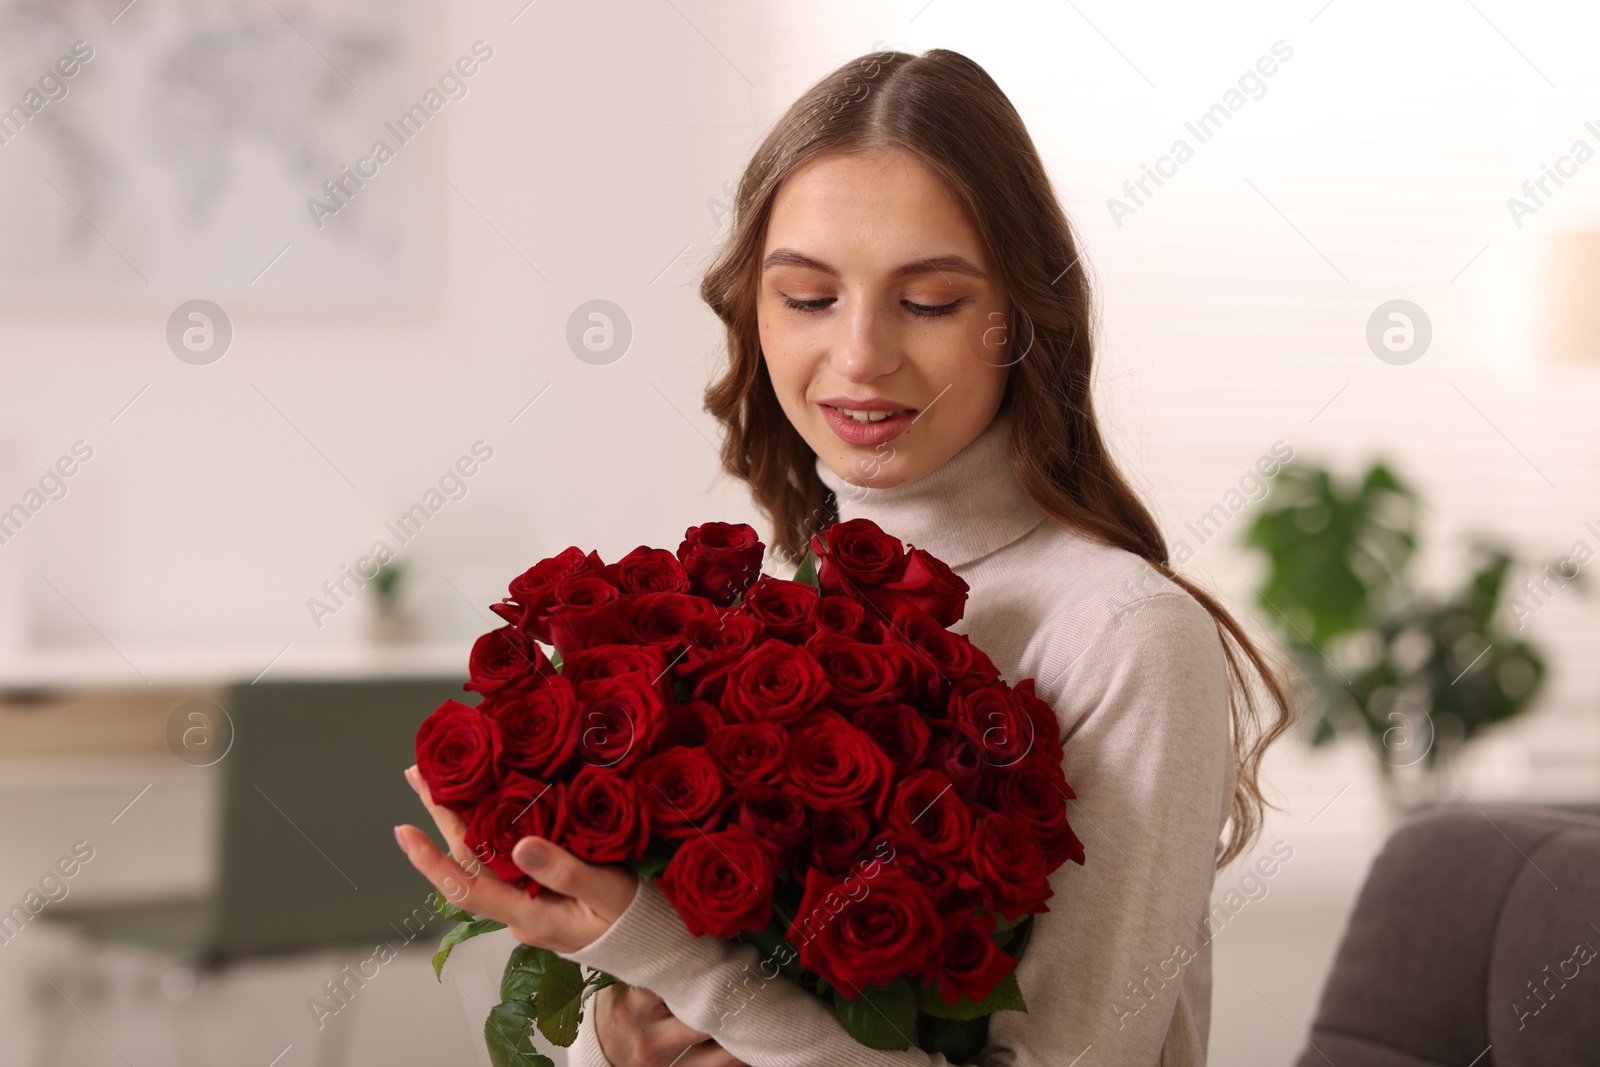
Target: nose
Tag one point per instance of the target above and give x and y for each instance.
(865, 345)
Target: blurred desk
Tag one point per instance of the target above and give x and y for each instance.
(133, 666)
(82, 701)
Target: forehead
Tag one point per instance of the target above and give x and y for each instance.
(885, 204)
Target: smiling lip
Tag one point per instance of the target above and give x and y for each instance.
(852, 432)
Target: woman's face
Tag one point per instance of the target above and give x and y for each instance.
(882, 325)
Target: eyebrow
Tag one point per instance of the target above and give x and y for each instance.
(951, 264)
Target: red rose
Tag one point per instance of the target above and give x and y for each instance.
(530, 591)
(750, 752)
(619, 720)
(967, 963)
(538, 726)
(506, 658)
(778, 818)
(688, 724)
(854, 933)
(660, 619)
(601, 819)
(1008, 862)
(926, 809)
(776, 682)
(584, 610)
(721, 559)
(1046, 727)
(993, 718)
(524, 807)
(681, 787)
(958, 758)
(936, 876)
(840, 615)
(928, 584)
(855, 557)
(859, 674)
(832, 765)
(934, 657)
(715, 642)
(721, 883)
(458, 755)
(611, 661)
(648, 570)
(783, 607)
(897, 729)
(839, 839)
(1035, 793)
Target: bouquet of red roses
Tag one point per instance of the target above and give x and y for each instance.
(819, 767)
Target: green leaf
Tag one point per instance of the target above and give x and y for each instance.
(509, 1035)
(806, 573)
(648, 867)
(882, 1017)
(524, 971)
(1019, 938)
(960, 1040)
(597, 981)
(559, 1003)
(1005, 996)
(681, 691)
(555, 659)
(458, 933)
(447, 910)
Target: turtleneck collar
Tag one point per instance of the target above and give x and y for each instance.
(962, 510)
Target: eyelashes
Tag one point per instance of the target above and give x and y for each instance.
(923, 311)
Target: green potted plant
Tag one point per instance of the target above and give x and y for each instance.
(1418, 673)
(391, 623)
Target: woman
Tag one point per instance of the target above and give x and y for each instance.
(909, 333)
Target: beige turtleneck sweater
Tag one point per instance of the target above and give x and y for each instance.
(1118, 972)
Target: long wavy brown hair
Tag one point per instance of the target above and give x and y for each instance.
(944, 110)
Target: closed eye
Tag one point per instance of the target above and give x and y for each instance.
(926, 311)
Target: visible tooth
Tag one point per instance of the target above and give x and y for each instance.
(867, 416)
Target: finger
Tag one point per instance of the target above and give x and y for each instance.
(647, 1003)
(481, 893)
(451, 825)
(607, 889)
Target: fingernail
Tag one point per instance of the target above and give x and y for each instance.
(412, 779)
(401, 841)
(529, 854)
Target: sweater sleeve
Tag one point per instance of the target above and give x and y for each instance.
(1147, 751)
(1118, 971)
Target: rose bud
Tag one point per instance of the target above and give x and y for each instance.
(721, 559)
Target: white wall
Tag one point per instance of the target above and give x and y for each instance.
(1376, 166)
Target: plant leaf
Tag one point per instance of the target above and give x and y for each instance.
(597, 981)
(648, 867)
(461, 931)
(558, 1005)
(882, 1017)
(960, 1040)
(524, 971)
(447, 910)
(1005, 996)
(509, 1035)
(806, 573)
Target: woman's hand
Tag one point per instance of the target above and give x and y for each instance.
(636, 1029)
(578, 901)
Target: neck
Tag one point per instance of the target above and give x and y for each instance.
(965, 508)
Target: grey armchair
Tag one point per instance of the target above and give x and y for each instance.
(1475, 943)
